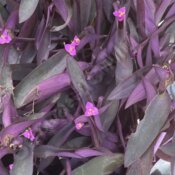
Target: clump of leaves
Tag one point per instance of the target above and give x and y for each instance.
(87, 87)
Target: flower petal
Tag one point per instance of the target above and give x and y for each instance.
(79, 125)
(89, 105)
(76, 41)
(95, 111)
(70, 48)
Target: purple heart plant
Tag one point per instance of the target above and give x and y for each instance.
(87, 87)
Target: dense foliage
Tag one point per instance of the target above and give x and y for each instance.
(87, 87)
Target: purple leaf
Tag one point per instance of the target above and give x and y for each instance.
(159, 141)
(12, 20)
(40, 32)
(105, 164)
(44, 47)
(161, 10)
(155, 117)
(138, 93)
(124, 66)
(171, 11)
(78, 79)
(108, 116)
(155, 45)
(150, 8)
(143, 165)
(108, 9)
(23, 161)
(26, 9)
(61, 8)
(149, 90)
(55, 65)
(124, 88)
(28, 54)
(87, 12)
(68, 16)
(141, 16)
(57, 140)
(86, 152)
(49, 87)
(9, 111)
(14, 130)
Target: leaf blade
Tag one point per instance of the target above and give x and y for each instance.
(26, 9)
(149, 128)
(105, 164)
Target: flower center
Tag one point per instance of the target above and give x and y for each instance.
(121, 14)
(91, 111)
(3, 36)
(71, 49)
(77, 40)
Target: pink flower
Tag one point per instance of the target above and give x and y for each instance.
(10, 166)
(76, 41)
(70, 48)
(79, 125)
(120, 14)
(5, 37)
(91, 110)
(29, 135)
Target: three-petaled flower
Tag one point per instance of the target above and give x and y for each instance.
(5, 37)
(79, 125)
(91, 110)
(71, 48)
(76, 41)
(29, 135)
(120, 14)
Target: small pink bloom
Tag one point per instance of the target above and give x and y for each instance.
(70, 48)
(91, 109)
(79, 125)
(120, 14)
(29, 135)
(5, 37)
(10, 166)
(76, 41)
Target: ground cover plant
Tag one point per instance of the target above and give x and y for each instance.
(87, 87)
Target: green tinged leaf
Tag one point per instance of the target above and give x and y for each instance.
(6, 82)
(57, 140)
(124, 66)
(77, 78)
(55, 65)
(26, 9)
(155, 117)
(87, 12)
(102, 165)
(3, 2)
(3, 11)
(109, 115)
(143, 165)
(67, 21)
(23, 161)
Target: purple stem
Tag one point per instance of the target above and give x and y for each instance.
(119, 126)
(68, 167)
(94, 133)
